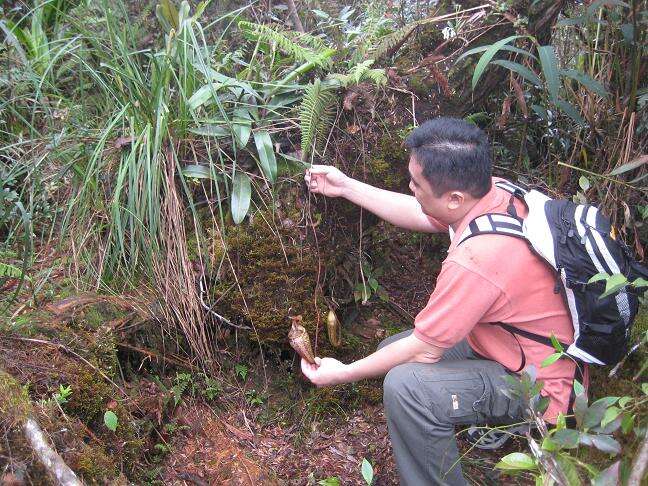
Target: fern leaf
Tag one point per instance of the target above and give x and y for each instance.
(306, 39)
(10, 271)
(389, 41)
(285, 42)
(315, 114)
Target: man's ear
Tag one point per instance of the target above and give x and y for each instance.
(455, 200)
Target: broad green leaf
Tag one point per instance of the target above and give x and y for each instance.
(210, 130)
(593, 7)
(584, 183)
(627, 423)
(585, 439)
(606, 443)
(579, 389)
(610, 415)
(549, 445)
(332, 481)
(267, 158)
(475, 50)
(598, 277)
(608, 477)
(640, 282)
(203, 94)
(197, 172)
(551, 360)
(549, 65)
(241, 195)
(516, 461)
(556, 344)
(487, 56)
(627, 30)
(566, 438)
(632, 165)
(367, 471)
(644, 388)
(613, 284)
(518, 68)
(593, 85)
(541, 111)
(568, 468)
(596, 411)
(242, 126)
(571, 111)
(110, 419)
(623, 401)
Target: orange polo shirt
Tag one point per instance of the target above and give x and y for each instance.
(496, 278)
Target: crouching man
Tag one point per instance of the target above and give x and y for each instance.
(450, 369)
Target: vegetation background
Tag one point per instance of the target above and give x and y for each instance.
(157, 237)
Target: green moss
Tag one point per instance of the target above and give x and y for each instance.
(641, 323)
(90, 393)
(388, 164)
(95, 465)
(277, 277)
(14, 401)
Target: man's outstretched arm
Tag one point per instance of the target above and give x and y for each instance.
(410, 349)
(401, 210)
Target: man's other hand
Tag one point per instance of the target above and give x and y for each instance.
(325, 371)
(326, 180)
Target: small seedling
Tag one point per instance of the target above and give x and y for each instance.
(63, 395)
(110, 420)
(241, 371)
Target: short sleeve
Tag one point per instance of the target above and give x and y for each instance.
(460, 300)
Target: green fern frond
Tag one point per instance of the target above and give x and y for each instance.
(377, 76)
(306, 39)
(315, 114)
(359, 73)
(284, 41)
(389, 41)
(10, 271)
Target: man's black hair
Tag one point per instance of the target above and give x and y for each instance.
(454, 155)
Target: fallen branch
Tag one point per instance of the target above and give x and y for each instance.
(50, 459)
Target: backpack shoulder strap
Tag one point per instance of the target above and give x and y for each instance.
(493, 223)
(514, 189)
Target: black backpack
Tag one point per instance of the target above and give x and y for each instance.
(576, 241)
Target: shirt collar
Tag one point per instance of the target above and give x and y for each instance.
(493, 199)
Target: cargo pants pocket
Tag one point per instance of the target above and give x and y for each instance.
(468, 396)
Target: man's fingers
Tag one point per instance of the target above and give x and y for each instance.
(319, 169)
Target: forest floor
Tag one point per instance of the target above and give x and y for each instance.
(263, 423)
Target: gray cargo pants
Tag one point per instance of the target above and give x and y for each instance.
(423, 403)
